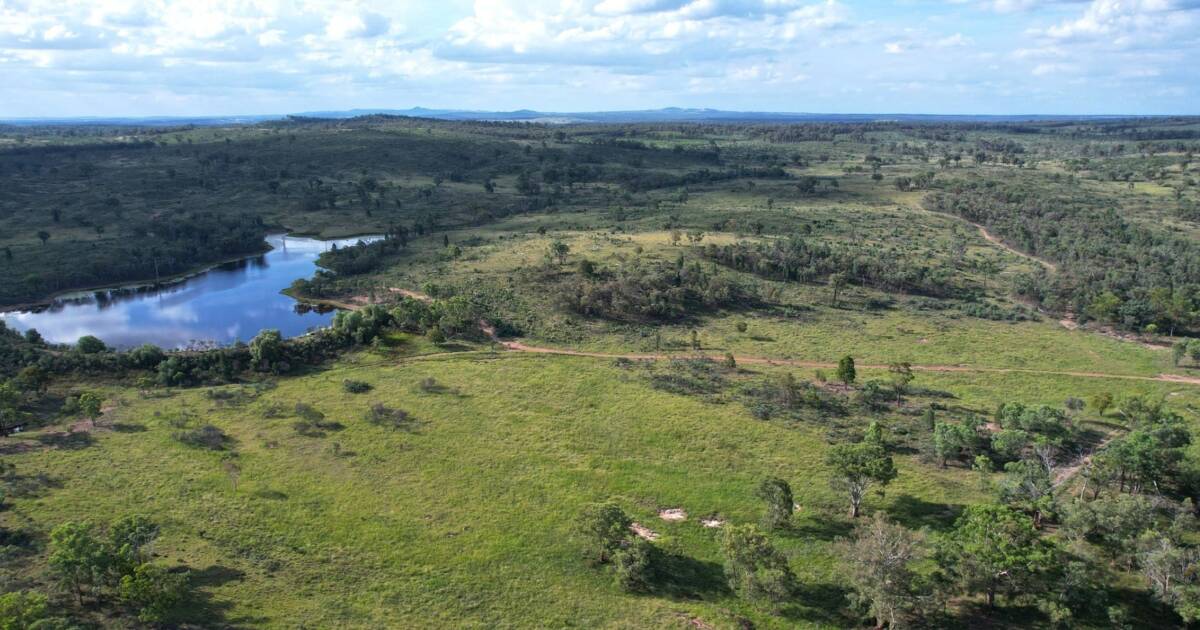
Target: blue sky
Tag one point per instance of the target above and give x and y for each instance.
(160, 57)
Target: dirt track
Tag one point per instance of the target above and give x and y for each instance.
(517, 346)
(994, 240)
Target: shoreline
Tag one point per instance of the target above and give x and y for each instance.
(177, 278)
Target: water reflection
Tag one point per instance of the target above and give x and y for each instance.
(228, 303)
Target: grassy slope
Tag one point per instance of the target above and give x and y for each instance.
(466, 521)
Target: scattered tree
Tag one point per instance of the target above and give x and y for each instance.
(857, 468)
(778, 496)
(755, 570)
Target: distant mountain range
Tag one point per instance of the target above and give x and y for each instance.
(676, 114)
(669, 114)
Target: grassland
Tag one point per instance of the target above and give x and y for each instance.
(465, 519)
(462, 516)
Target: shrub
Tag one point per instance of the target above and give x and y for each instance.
(381, 415)
(207, 436)
(633, 565)
(90, 345)
(309, 413)
(778, 496)
(604, 527)
(22, 609)
(153, 591)
(356, 387)
(756, 571)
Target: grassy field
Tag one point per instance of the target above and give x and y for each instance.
(463, 514)
(464, 518)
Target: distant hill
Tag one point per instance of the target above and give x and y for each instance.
(147, 121)
(668, 114)
(677, 114)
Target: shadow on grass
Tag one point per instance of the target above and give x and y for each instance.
(67, 441)
(128, 427)
(273, 495)
(823, 529)
(204, 610)
(683, 577)
(915, 513)
(819, 603)
(30, 486)
(977, 615)
(454, 346)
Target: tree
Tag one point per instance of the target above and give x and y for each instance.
(947, 441)
(32, 379)
(1172, 572)
(633, 565)
(153, 591)
(858, 467)
(845, 370)
(1101, 402)
(88, 344)
(89, 405)
(266, 349)
(994, 548)
(778, 496)
(43, 235)
(1104, 307)
(1112, 523)
(1027, 486)
(78, 559)
(837, 282)
(902, 376)
(10, 407)
(1077, 591)
(755, 570)
(20, 610)
(604, 526)
(559, 251)
(878, 560)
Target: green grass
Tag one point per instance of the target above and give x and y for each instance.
(466, 520)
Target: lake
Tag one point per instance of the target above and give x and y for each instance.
(228, 303)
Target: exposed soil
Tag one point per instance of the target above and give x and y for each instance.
(642, 532)
(673, 515)
(994, 240)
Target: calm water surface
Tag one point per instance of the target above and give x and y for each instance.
(229, 303)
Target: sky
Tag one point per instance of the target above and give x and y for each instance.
(229, 57)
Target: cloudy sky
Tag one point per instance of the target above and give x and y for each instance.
(163, 57)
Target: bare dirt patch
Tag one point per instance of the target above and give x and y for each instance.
(643, 532)
(673, 515)
(712, 523)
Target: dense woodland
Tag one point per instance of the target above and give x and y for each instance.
(801, 325)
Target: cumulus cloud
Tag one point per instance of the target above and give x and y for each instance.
(242, 56)
(1126, 22)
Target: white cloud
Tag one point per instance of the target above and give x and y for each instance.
(349, 26)
(241, 56)
(1128, 22)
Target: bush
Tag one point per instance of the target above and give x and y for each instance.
(207, 436)
(381, 415)
(604, 528)
(633, 565)
(153, 591)
(309, 413)
(778, 496)
(356, 387)
(90, 345)
(22, 609)
(756, 571)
